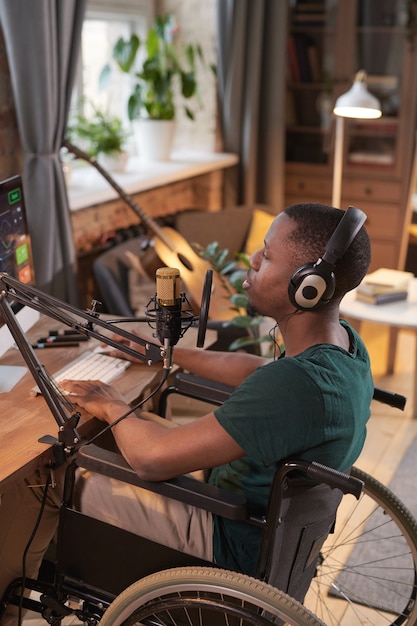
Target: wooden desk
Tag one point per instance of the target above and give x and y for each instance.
(25, 418)
(396, 315)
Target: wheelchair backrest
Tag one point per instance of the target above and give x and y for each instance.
(305, 520)
(301, 513)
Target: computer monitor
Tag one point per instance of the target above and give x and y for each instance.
(15, 253)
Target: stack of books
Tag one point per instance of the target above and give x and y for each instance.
(384, 285)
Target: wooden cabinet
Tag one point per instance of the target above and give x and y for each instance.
(328, 43)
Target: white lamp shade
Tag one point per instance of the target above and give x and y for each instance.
(358, 103)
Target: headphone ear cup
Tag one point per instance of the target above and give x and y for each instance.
(311, 286)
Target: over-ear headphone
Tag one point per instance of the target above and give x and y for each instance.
(313, 284)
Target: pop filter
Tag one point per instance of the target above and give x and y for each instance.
(204, 309)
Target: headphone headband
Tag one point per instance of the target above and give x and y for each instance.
(346, 231)
(313, 284)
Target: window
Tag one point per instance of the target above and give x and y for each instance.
(105, 22)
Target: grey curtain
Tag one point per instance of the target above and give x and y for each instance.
(42, 40)
(251, 66)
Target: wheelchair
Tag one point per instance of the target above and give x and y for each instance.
(102, 574)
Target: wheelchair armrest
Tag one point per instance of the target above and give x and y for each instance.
(183, 488)
(202, 388)
(217, 393)
(195, 387)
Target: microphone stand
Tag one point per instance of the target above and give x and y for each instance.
(84, 322)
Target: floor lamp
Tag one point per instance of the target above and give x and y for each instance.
(356, 103)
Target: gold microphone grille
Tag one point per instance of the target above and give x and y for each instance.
(167, 285)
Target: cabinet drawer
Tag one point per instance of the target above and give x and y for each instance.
(384, 220)
(308, 188)
(319, 189)
(355, 190)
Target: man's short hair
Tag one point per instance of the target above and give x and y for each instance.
(315, 225)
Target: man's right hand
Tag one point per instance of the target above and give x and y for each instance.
(115, 352)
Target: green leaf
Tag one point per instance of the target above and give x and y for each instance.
(135, 103)
(189, 113)
(152, 44)
(212, 249)
(104, 77)
(229, 267)
(241, 343)
(243, 257)
(188, 84)
(124, 52)
(190, 55)
(200, 52)
(243, 321)
(221, 256)
(236, 278)
(240, 300)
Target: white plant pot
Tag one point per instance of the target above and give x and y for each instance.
(115, 162)
(154, 139)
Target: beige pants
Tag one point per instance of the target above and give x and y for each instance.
(150, 515)
(166, 521)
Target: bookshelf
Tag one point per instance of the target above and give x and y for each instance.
(328, 42)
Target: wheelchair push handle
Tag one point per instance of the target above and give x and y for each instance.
(335, 479)
(320, 474)
(389, 397)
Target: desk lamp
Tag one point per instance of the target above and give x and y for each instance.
(357, 103)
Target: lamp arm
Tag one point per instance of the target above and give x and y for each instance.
(86, 323)
(338, 163)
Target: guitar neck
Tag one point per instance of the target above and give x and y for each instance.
(148, 221)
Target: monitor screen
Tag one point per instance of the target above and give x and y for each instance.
(15, 252)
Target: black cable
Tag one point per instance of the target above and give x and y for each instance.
(131, 410)
(48, 482)
(29, 543)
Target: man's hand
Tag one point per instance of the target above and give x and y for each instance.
(99, 399)
(110, 350)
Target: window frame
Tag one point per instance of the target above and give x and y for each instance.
(110, 10)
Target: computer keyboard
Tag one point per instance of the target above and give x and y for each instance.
(91, 366)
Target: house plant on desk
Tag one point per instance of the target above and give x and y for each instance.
(165, 67)
(102, 136)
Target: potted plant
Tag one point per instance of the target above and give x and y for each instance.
(101, 136)
(232, 273)
(163, 67)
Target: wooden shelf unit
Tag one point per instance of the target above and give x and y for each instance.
(379, 165)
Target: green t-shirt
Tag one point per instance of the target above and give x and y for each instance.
(313, 406)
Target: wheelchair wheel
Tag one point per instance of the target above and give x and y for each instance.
(204, 596)
(367, 574)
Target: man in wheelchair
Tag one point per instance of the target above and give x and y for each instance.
(312, 403)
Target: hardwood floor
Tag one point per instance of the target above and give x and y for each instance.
(390, 431)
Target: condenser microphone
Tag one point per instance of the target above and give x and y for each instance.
(168, 305)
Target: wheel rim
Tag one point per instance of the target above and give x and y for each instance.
(176, 610)
(376, 583)
(205, 597)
